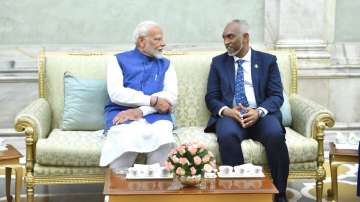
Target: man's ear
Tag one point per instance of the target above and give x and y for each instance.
(246, 37)
(141, 42)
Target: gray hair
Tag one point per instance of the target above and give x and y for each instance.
(244, 26)
(142, 29)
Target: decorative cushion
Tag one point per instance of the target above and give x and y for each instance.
(84, 103)
(286, 111)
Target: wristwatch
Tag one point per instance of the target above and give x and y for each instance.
(261, 112)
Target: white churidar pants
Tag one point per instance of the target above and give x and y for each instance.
(123, 143)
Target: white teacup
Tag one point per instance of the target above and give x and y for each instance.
(225, 170)
(164, 172)
(257, 170)
(133, 171)
(239, 170)
(150, 171)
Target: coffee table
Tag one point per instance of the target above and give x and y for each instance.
(9, 159)
(210, 190)
(336, 158)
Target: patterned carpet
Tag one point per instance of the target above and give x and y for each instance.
(304, 190)
(298, 190)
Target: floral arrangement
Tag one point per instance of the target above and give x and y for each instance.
(190, 159)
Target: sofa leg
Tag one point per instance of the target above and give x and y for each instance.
(319, 190)
(30, 193)
(29, 188)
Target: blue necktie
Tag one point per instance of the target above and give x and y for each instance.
(240, 96)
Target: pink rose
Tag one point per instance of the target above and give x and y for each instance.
(208, 168)
(193, 171)
(206, 158)
(169, 166)
(180, 171)
(181, 149)
(175, 159)
(192, 150)
(201, 146)
(183, 160)
(173, 151)
(197, 160)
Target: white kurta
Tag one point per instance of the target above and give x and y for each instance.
(138, 136)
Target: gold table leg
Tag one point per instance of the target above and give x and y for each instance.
(18, 182)
(333, 192)
(8, 183)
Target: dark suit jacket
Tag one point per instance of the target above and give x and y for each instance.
(266, 82)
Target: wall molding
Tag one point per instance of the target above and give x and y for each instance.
(333, 72)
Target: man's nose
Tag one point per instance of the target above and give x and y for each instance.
(162, 43)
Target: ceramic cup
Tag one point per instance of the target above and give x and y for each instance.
(164, 172)
(133, 171)
(239, 170)
(150, 172)
(225, 170)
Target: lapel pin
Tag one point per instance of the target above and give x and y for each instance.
(256, 65)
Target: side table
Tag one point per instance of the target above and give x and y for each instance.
(336, 158)
(9, 159)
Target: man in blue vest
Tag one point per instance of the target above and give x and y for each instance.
(142, 89)
(244, 96)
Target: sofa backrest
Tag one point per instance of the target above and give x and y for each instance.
(192, 70)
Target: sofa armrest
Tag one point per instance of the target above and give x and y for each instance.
(307, 116)
(311, 119)
(34, 120)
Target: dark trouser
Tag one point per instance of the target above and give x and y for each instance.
(269, 132)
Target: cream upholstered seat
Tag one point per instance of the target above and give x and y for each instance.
(56, 154)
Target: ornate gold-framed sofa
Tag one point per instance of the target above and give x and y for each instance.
(57, 156)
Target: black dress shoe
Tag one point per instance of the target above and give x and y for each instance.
(280, 198)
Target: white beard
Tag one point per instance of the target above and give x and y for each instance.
(153, 52)
(236, 52)
(158, 55)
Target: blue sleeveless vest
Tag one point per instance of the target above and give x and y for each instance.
(141, 73)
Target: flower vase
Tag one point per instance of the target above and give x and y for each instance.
(188, 181)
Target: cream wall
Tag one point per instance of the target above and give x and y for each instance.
(112, 21)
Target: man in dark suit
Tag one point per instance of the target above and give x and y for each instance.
(244, 96)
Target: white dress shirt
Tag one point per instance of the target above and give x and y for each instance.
(129, 97)
(248, 84)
